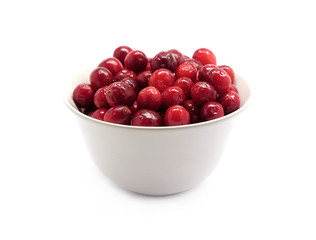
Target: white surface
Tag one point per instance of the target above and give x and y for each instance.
(50, 188)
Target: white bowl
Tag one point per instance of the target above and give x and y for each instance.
(156, 160)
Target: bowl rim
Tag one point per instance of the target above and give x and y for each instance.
(161, 128)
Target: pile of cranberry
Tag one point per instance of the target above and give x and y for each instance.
(169, 89)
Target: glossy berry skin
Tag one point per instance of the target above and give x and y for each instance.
(205, 72)
(230, 102)
(99, 98)
(113, 65)
(134, 108)
(136, 61)
(172, 96)
(143, 78)
(161, 79)
(186, 69)
(185, 84)
(233, 88)
(202, 92)
(119, 114)
(123, 74)
(100, 77)
(146, 118)
(121, 52)
(83, 95)
(120, 93)
(196, 63)
(176, 115)
(164, 60)
(132, 82)
(211, 110)
(149, 98)
(205, 56)
(229, 71)
(220, 80)
(178, 56)
(99, 113)
(193, 110)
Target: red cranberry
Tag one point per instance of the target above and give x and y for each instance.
(99, 98)
(205, 56)
(119, 114)
(176, 115)
(149, 98)
(219, 79)
(178, 55)
(161, 79)
(136, 61)
(172, 96)
(211, 110)
(185, 84)
(146, 118)
(202, 92)
(230, 102)
(229, 71)
(90, 113)
(164, 60)
(196, 63)
(143, 78)
(233, 88)
(123, 74)
(132, 82)
(134, 108)
(205, 71)
(186, 69)
(148, 67)
(121, 52)
(120, 93)
(100, 77)
(113, 65)
(83, 95)
(99, 113)
(193, 110)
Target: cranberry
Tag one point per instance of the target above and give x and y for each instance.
(205, 71)
(202, 92)
(178, 55)
(211, 110)
(100, 77)
(161, 79)
(120, 93)
(149, 98)
(172, 96)
(148, 67)
(164, 60)
(205, 56)
(136, 61)
(196, 63)
(146, 118)
(119, 114)
(99, 113)
(219, 79)
(123, 74)
(229, 71)
(112, 64)
(142, 79)
(233, 88)
(185, 84)
(230, 102)
(121, 52)
(90, 113)
(134, 108)
(176, 115)
(186, 69)
(132, 82)
(99, 98)
(193, 110)
(83, 95)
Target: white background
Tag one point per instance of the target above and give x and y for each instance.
(265, 184)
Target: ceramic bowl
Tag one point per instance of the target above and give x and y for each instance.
(156, 160)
